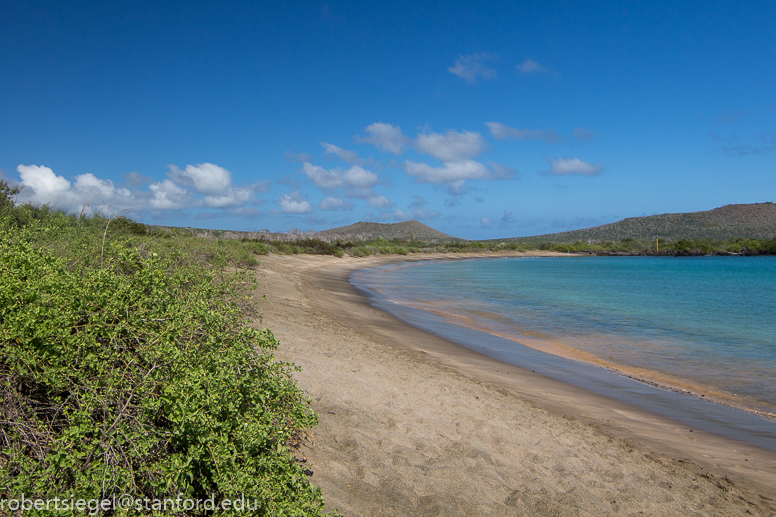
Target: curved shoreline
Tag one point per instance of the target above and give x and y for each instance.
(358, 364)
(644, 375)
(693, 412)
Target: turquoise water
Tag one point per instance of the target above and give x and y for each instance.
(702, 322)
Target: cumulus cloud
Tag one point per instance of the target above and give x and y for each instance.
(485, 222)
(452, 145)
(355, 177)
(335, 203)
(529, 66)
(43, 186)
(449, 173)
(378, 201)
(216, 184)
(573, 166)
(294, 203)
(502, 132)
(385, 137)
(455, 150)
(343, 154)
(205, 178)
(202, 185)
(470, 67)
(169, 196)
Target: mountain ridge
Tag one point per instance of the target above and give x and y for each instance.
(750, 221)
(406, 230)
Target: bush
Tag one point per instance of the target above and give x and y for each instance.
(259, 248)
(142, 378)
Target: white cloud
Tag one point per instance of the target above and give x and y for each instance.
(294, 203)
(470, 67)
(234, 197)
(451, 146)
(529, 66)
(216, 184)
(485, 222)
(335, 203)
(455, 174)
(449, 173)
(42, 186)
(378, 201)
(356, 177)
(205, 178)
(573, 166)
(211, 182)
(385, 137)
(502, 132)
(46, 185)
(356, 182)
(169, 196)
(344, 154)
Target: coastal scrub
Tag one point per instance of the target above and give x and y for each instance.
(137, 373)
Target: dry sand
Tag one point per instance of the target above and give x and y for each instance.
(411, 424)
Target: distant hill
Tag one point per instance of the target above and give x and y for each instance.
(367, 231)
(752, 221)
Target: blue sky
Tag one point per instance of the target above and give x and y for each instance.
(481, 119)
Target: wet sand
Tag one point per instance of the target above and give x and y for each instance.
(411, 424)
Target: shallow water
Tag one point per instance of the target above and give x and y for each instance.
(707, 323)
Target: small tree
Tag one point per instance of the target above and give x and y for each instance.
(7, 196)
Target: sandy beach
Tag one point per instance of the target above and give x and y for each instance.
(411, 424)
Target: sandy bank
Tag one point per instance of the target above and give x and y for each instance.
(411, 424)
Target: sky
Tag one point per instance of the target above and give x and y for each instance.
(481, 119)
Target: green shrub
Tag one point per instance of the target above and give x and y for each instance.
(141, 377)
(259, 248)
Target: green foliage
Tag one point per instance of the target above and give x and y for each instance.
(139, 375)
(7, 196)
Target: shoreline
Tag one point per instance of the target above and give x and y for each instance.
(556, 348)
(644, 375)
(318, 288)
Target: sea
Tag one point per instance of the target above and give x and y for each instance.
(704, 326)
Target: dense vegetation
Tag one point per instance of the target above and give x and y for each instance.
(683, 247)
(128, 366)
(411, 230)
(750, 221)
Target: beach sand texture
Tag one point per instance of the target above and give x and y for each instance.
(411, 424)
